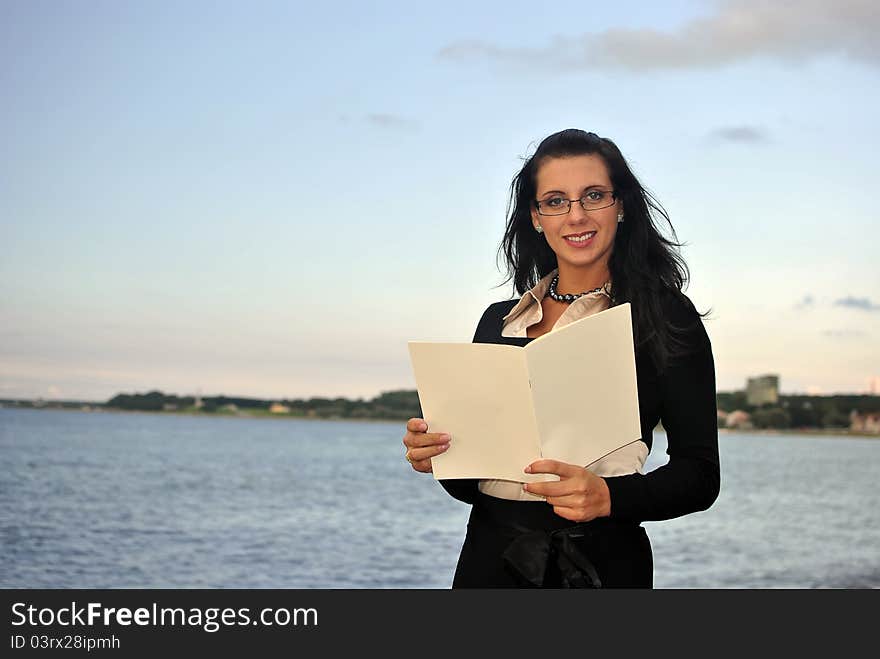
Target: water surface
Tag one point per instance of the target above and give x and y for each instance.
(116, 500)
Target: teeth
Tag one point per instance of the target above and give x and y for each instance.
(580, 239)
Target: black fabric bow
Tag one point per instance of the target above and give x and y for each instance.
(532, 556)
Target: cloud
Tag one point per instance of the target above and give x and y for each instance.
(390, 121)
(740, 134)
(862, 303)
(805, 303)
(843, 334)
(738, 30)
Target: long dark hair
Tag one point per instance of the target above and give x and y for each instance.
(645, 266)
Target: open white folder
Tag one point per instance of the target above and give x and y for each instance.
(569, 395)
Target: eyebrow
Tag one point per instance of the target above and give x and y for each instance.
(589, 187)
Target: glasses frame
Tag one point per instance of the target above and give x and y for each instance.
(580, 200)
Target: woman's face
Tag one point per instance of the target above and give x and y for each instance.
(572, 178)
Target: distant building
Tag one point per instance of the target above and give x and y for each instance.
(874, 386)
(279, 408)
(739, 419)
(762, 390)
(864, 422)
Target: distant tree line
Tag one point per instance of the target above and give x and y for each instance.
(792, 411)
(153, 401)
(398, 405)
(801, 411)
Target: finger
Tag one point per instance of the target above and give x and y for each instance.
(574, 514)
(422, 439)
(578, 500)
(552, 488)
(417, 431)
(416, 425)
(419, 454)
(562, 469)
(423, 466)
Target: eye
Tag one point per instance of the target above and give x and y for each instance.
(554, 202)
(595, 195)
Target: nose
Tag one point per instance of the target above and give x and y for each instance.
(577, 213)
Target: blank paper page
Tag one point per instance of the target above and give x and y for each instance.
(584, 387)
(479, 394)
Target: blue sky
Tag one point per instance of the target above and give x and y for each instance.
(270, 199)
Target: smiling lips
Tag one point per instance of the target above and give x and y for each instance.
(580, 239)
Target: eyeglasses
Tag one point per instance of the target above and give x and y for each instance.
(592, 201)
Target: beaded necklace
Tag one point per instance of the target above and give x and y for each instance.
(568, 297)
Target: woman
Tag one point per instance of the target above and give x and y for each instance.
(581, 237)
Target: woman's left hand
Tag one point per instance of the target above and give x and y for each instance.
(579, 495)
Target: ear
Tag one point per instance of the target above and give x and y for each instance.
(536, 221)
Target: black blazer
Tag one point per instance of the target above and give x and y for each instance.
(682, 398)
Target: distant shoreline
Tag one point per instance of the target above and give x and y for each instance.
(841, 432)
(206, 415)
(835, 432)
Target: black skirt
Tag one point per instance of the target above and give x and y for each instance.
(524, 544)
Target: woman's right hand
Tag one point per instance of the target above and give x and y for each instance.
(421, 445)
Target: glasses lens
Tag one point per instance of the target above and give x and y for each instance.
(596, 199)
(554, 206)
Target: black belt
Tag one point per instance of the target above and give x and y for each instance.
(535, 553)
(532, 552)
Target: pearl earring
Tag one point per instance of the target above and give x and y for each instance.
(539, 228)
(620, 216)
